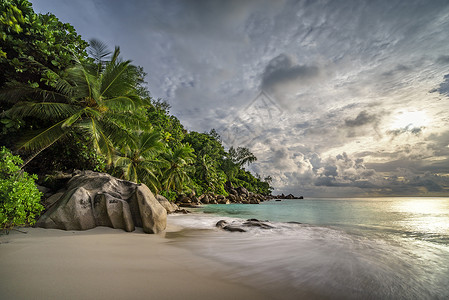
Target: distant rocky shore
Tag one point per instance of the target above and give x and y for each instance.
(236, 195)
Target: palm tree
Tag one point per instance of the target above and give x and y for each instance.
(137, 162)
(241, 156)
(176, 174)
(98, 99)
(206, 171)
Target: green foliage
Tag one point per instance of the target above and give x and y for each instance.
(170, 195)
(74, 151)
(26, 36)
(19, 196)
(209, 177)
(101, 104)
(176, 175)
(252, 183)
(241, 156)
(206, 143)
(170, 127)
(137, 161)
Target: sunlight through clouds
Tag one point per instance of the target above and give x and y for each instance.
(409, 119)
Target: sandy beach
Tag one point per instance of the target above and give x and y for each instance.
(105, 263)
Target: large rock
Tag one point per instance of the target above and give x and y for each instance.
(205, 199)
(169, 206)
(242, 191)
(94, 199)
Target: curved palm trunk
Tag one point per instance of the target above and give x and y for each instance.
(37, 153)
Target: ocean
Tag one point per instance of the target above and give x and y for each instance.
(367, 248)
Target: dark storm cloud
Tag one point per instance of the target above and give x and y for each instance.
(409, 129)
(330, 171)
(439, 143)
(397, 70)
(412, 184)
(363, 118)
(417, 166)
(302, 125)
(282, 69)
(443, 59)
(443, 88)
(344, 171)
(279, 157)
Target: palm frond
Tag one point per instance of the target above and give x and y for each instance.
(43, 138)
(121, 161)
(72, 119)
(148, 177)
(98, 50)
(130, 121)
(116, 79)
(120, 104)
(93, 113)
(101, 140)
(115, 55)
(62, 87)
(119, 134)
(43, 110)
(17, 91)
(150, 143)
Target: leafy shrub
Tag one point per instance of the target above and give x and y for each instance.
(19, 196)
(170, 195)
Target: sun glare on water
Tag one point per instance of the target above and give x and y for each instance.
(409, 119)
(429, 216)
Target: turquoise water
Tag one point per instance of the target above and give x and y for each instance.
(420, 218)
(370, 248)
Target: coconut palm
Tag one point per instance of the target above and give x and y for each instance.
(176, 174)
(206, 171)
(138, 162)
(98, 99)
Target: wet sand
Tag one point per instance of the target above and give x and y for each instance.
(105, 263)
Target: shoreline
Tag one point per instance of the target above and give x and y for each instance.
(106, 263)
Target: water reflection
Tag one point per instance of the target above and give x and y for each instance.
(423, 218)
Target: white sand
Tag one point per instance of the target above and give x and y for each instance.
(105, 263)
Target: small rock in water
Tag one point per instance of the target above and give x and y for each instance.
(238, 227)
(257, 223)
(221, 224)
(225, 226)
(234, 229)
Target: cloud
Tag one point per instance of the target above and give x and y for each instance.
(337, 71)
(397, 70)
(344, 171)
(443, 88)
(363, 118)
(409, 129)
(443, 59)
(283, 70)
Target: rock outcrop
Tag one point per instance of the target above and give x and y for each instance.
(236, 195)
(243, 226)
(93, 199)
(289, 196)
(169, 206)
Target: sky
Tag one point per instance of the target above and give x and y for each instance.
(335, 98)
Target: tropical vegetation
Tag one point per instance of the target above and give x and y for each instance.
(19, 196)
(66, 103)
